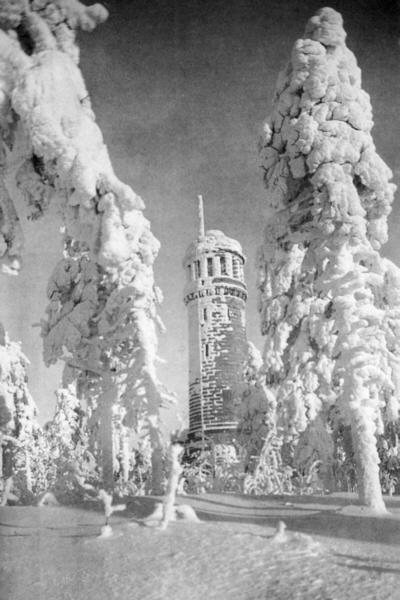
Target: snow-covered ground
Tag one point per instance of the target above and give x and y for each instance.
(338, 553)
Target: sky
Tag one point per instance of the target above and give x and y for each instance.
(180, 89)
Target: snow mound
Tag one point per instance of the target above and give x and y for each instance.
(179, 512)
(48, 499)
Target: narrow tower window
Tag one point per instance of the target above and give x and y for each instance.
(210, 266)
(197, 268)
(227, 402)
(204, 314)
(236, 268)
(206, 350)
(223, 266)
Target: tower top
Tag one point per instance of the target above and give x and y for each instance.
(213, 241)
(201, 218)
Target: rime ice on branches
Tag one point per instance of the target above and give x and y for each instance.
(101, 317)
(329, 302)
(18, 424)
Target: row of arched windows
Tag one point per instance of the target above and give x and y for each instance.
(227, 265)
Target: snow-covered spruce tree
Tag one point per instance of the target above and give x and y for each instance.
(101, 317)
(329, 302)
(19, 430)
(71, 465)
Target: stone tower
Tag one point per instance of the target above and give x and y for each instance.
(215, 295)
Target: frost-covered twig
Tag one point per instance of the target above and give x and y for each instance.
(167, 511)
(6, 492)
(109, 509)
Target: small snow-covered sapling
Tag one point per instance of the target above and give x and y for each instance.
(168, 513)
(295, 541)
(166, 510)
(109, 509)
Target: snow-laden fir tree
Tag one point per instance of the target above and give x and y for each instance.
(329, 303)
(101, 317)
(19, 430)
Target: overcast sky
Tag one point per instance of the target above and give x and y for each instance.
(181, 89)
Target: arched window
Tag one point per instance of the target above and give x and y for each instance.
(236, 267)
(223, 266)
(227, 402)
(210, 270)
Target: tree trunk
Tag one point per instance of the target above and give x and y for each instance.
(157, 472)
(367, 459)
(28, 470)
(125, 452)
(106, 401)
(1, 455)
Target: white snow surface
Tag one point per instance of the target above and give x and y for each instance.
(232, 554)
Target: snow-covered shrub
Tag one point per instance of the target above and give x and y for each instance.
(313, 458)
(228, 468)
(260, 468)
(197, 471)
(101, 318)
(389, 455)
(269, 474)
(136, 478)
(344, 467)
(254, 409)
(329, 302)
(21, 449)
(213, 466)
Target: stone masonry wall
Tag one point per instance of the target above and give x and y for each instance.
(218, 352)
(224, 369)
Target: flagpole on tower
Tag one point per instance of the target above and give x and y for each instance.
(201, 217)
